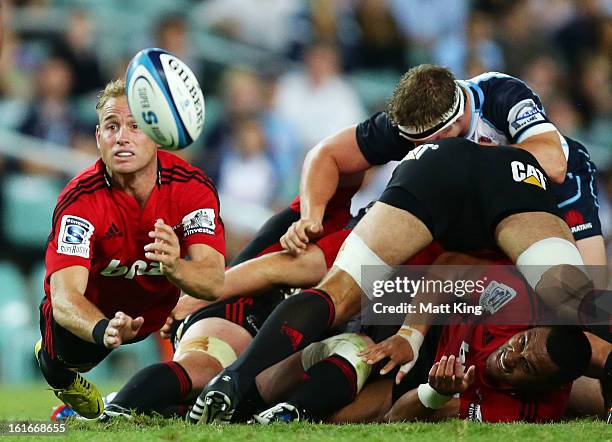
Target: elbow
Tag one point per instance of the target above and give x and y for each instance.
(558, 171)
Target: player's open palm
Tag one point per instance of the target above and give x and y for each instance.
(448, 377)
(165, 248)
(121, 329)
(397, 349)
(299, 234)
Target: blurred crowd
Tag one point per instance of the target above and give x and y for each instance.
(333, 63)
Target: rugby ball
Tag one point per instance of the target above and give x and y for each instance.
(165, 98)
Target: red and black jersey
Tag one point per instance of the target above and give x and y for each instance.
(473, 340)
(103, 229)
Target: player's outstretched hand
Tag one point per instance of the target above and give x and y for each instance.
(121, 329)
(299, 234)
(447, 376)
(397, 349)
(165, 248)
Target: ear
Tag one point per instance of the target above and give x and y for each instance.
(98, 136)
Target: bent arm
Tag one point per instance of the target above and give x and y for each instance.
(546, 148)
(201, 276)
(335, 161)
(71, 309)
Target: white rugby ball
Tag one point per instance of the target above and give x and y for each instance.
(165, 98)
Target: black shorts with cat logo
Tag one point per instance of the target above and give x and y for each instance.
(461, 190)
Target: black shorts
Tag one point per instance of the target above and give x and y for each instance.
(577, 196)
(247, 312)
(67, 348)
(461, 190)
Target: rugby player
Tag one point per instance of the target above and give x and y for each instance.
(455, 191)
(429, 104)
(115, 259)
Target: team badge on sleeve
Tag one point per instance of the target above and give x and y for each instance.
(523, 114)
(74, 236)
(199, 221)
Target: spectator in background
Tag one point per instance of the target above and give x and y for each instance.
(545, 76)
(247, 173)
(381, 44)
(77, 48)
(50, 116)
(317, 100)
(171, 34)
(262, 23)
(245, 96)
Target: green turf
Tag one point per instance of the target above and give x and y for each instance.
(34, 403)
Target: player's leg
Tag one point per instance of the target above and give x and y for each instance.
(205, 348)
(331, 366)
(544, 251)
(302, 319)
(61, 356)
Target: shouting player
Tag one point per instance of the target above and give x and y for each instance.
(115, 258)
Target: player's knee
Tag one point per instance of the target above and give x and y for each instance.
(555, 258)
(346, 345)
(213, 347)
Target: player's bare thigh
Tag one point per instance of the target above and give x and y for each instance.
(393, 234)
(202, 367)
(515, 233)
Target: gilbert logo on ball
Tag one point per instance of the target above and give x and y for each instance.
(165, 98)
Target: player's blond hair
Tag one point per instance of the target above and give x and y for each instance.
(113, 89)
(422, 95)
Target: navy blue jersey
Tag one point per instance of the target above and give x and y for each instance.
(504, 111)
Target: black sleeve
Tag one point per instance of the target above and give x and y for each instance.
(380, 141)
(513, 107)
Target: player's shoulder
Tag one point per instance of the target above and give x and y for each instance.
(87, 182)
(175, 171)
(496, 80)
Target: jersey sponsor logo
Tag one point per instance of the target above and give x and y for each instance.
(529, 174)
(495, 296)
(523, 114)
(199, 221)
(74, 236)
(474, 413)
(418, 151)
(138, 268)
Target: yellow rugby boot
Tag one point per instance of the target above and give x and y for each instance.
(82, 396)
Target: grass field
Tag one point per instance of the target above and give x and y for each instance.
(35, 403)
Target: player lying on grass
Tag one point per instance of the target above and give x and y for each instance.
(116, 256)
(432, 197)
(510, 362)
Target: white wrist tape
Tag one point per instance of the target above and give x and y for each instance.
(430, 397)
(415, 338)
(544, 254)
(353, 255)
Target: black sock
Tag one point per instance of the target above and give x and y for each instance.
(154, 388)
(56, 373)
(331, 384)
(295, 323)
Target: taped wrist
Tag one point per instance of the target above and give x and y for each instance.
(98, 331)
(415, 338)
(430, 398)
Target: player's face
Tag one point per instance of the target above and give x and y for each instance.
(523, 360)
(124, 148)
